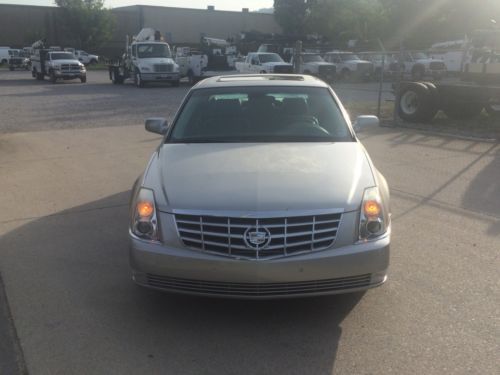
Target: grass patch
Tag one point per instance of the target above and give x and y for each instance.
(98, 66)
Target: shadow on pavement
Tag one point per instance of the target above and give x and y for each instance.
(68, 281)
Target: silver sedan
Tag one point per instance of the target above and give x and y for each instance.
(260, 189)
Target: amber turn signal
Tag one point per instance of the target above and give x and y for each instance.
(145, 209)
(372, 208)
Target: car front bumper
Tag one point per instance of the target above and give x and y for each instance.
(336, 270)
(160, 77)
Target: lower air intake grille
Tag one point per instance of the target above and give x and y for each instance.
(258, 289)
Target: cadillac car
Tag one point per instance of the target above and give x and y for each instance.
(260, 188)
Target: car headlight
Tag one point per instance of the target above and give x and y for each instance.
(176, 68)
(373, 220)
(82, 67)
(144, 221)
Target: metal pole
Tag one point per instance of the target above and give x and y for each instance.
(296, 58)
(397, 86)
(381, 87)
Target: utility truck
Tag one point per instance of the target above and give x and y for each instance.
(477, 89)
(147, 59)
(214, 57)
(55, 64)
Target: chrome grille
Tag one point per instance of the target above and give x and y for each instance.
(70, 67)
(258, 289)
(437, 65)
(284, 235)
(163, 68)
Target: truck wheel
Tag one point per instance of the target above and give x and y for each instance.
(93, 62)
(462, 110)
(53, 77)
(138, 79)
(83, 79)
(345, 74)
(415, 103)
(191, 78)
(418, 73)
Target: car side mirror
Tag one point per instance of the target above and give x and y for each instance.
(157, 125)
(365, 122)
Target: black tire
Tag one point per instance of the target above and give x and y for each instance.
(176, 83)
(53, 78)
(83, 79)
(463, 110)
(138, 80)
(93, 62)
(345, 74)
(418, 72)
(263, 72)
(3, 62)
(415, 103)
(191, 78)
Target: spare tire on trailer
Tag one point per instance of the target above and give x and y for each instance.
(416, 102)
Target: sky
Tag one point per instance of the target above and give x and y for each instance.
(219, 4)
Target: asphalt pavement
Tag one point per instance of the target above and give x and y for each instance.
(69, 154)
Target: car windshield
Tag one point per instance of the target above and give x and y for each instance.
(312, 58)
(349, 57)
(62, 56)
(269, 57)
(153, 50)
(260, 114)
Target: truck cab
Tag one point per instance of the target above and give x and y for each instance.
(314, 64)
(147, 59)
(263, 62)
(349, 65)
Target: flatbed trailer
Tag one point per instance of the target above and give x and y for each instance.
(420, 101)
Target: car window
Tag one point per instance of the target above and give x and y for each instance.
(153, 50)
(261, 114)
(269, 57)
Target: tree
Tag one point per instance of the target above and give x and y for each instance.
(87, 23)
(292, 15)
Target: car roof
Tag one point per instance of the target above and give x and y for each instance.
(239, 80)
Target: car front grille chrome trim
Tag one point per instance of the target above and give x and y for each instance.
(258, 238)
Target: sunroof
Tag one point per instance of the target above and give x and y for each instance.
(261, 78)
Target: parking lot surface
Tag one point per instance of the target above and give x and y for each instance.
(69, 154)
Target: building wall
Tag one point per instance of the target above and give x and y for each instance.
(22, 25)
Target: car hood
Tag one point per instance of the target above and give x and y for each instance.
(156, 60)
(261, 177)
(318, 63)
(276, 63)
(60, 62)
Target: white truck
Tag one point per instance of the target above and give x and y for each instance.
(314, 64)
(55, 65)
(84, 57)
(419, 65)
(349, 65)
(214, 57)
(263, 62)
(147, 59)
